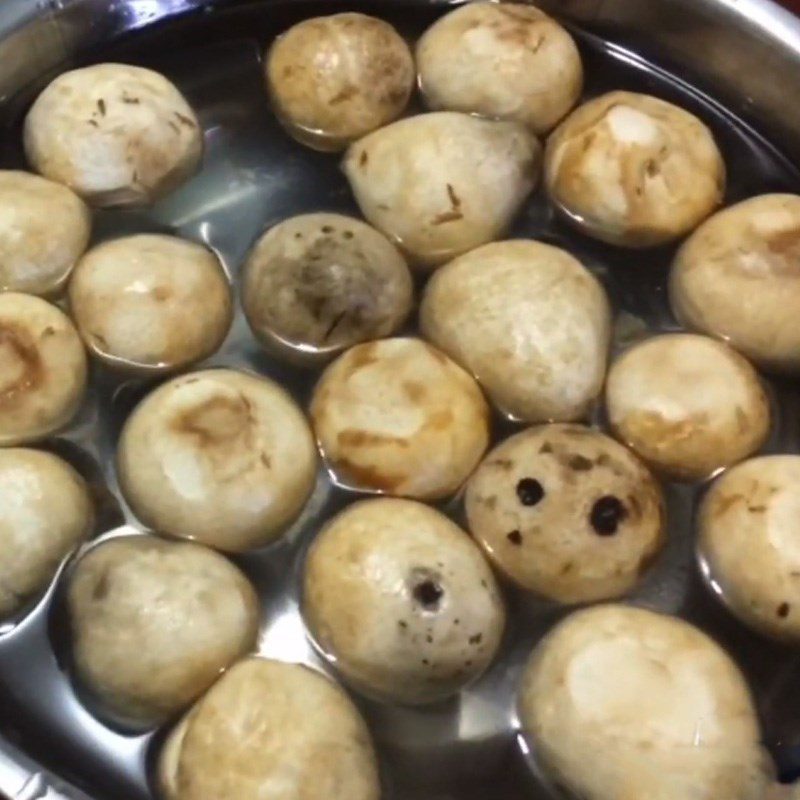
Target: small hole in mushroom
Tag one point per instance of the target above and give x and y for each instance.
(529, 491)
(606, 515)
(428, 594)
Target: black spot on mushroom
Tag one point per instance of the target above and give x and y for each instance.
(579, 463)
(529, 491)
(348, 234)
(425, 662)
(546, 448)
(783, 610)
(401, 623)
(476, 639)
(515, 537)
(606, 515)
(327, 229)
(363, 158)
(429, 639)
(101, 107)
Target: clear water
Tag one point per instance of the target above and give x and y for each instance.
(255, 175)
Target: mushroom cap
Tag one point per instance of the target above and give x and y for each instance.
(621, 703)
(444, 183)
(334, 79)
(397, 416)
(687, 434)
(44, 230)
(116, 134)
(501, 60)
(317, 284)
(529, 321)
(749, 543)
(271, 729)
(738, 278)
(402, 601)
(154, 623)
(567, 513)
(45, 511)
(634, 170)
(42, 369)
(151, 303)
(218, 456)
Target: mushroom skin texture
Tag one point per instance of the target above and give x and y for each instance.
(42, 369)
(444, 183)
(402, 601)
(396, 416)
(116, 134)
(503, 61)
(45, 511)
(150, 303)
(334, 79)
(738, 278)
(270, 729)
(44, 230)
(154, 623)
(620, 703)
(218, 456)
(567, 513)
(317, 284)
(633, 170)
(748, 535)
(528, 321)
(687, 435)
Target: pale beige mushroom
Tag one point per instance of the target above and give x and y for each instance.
(218, 456)
(317, 284)
(402, 601)
(42, 369)
(334, 79)
(399, 417)
(620, 703)
(529, 321)
(738, 278)
(154, 623)
(634, 170)
(268, 729)
(441, 184)
(688, 405)
(116, 134)
(567, 513)
(749, 543)
(150, 303)
(44, 230)
(501, 60)
(45, 511)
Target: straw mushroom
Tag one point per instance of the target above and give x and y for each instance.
(397, 416)
(687, 435)
(317, 284)
(42, 369)
(748, 543)
(116, 134)
(44, 230)
(566, 513)
(443, 183)
(620, 702)
(501, 60)
(270, 729)
(528, 321)
(154, 623)
(738, 278)
(633, 170)
(45, 511)
(429, 616)
(150, 304)
(334, 79)
(219, 456)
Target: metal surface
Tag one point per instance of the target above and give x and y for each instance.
(743, 53)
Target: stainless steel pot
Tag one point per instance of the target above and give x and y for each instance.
(744, 53)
